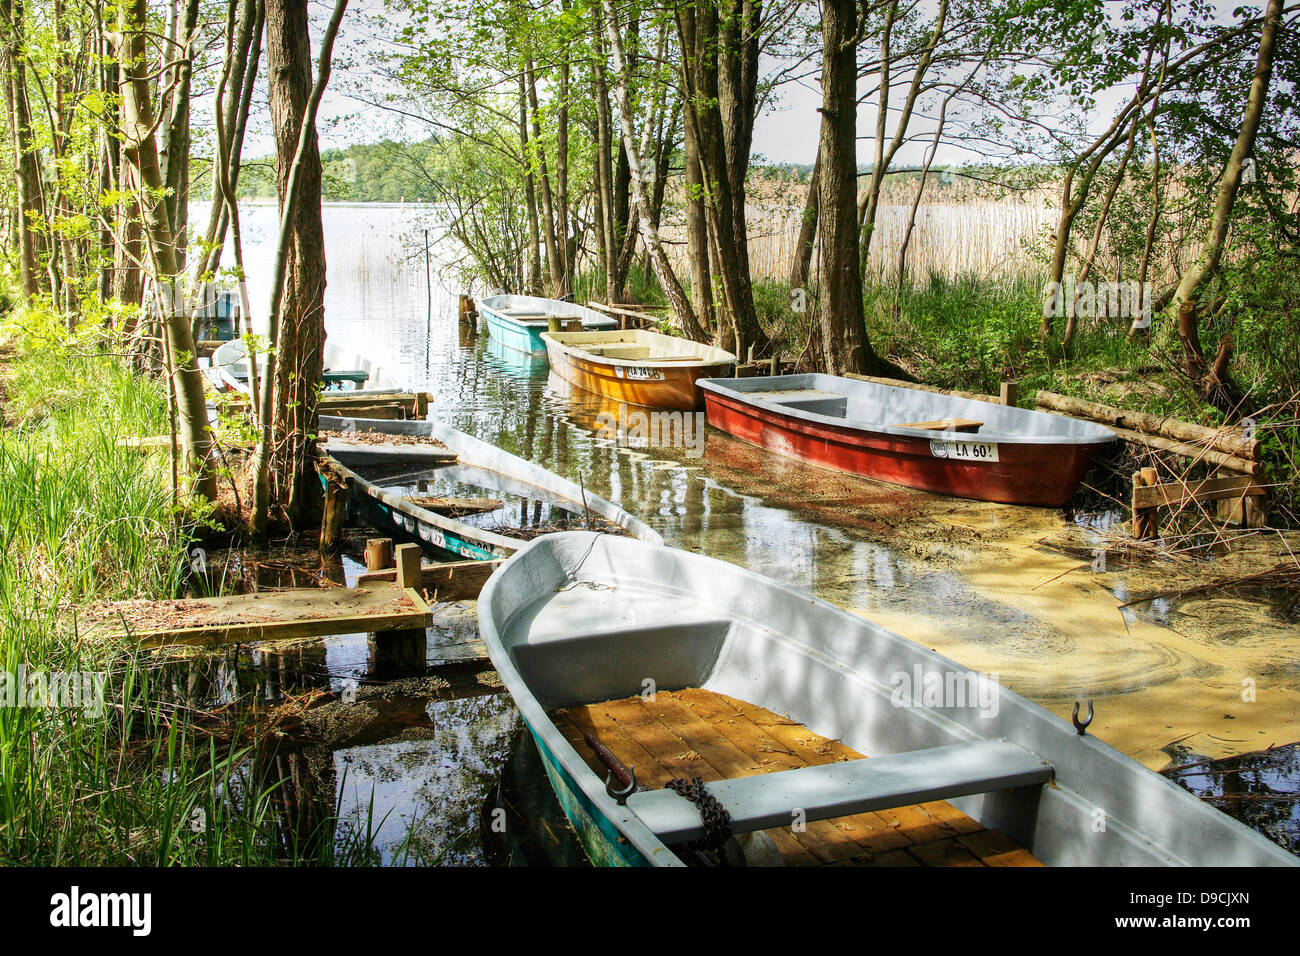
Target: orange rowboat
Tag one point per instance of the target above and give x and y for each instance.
(637, 366)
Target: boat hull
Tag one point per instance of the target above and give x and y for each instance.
(526, 335)
(1041, 474)
(408, 526)
(512, 334)
(648, 385)
(442, 535)
(228, 369)
(599, 836)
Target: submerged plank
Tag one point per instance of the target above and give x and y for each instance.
(262, 616)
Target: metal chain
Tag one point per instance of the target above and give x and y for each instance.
(714, 816)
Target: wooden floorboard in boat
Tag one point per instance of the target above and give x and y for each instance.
(696, 732)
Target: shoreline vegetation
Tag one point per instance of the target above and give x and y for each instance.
(143, 773)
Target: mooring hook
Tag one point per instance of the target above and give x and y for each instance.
(1081, 725)
(622, 795)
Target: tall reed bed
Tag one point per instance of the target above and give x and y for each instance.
(127, 782)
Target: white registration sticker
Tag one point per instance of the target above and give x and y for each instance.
(964, 450)
(639, 373)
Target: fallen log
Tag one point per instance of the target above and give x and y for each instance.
(1226, 440)
(1243, 466)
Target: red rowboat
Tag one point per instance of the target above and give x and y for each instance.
(905, 436)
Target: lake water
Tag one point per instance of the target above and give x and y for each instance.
(997, 588)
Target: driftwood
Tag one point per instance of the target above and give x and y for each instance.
(1227, 441)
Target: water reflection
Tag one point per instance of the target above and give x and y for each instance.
(860, 545)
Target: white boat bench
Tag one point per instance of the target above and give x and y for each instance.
(842, 789)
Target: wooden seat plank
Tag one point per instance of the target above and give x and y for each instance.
(724, 741)
(945, 425)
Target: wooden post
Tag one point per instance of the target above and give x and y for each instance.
(1248, 510)
(466, 312)
(408, 565)
(334, 515)
(773, 365)
(553, 323)
(379, 554)
(1010, 394)
(1146, 521)
(398, 652)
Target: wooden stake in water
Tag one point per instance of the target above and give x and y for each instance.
(428, 276)
(586, 512)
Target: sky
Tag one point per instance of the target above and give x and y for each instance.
(786, 133)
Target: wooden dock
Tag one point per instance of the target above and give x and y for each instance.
(389, 405)
(262, 616)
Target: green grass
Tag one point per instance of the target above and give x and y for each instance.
(82, 521)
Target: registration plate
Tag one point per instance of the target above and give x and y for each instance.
(964, 450)
(639, 373)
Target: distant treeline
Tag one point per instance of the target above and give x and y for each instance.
(392, 171)
(386, 171)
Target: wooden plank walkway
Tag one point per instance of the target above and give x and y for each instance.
(353, 453)
(696, 732)
(261, 616)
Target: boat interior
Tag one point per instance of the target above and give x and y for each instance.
(871, 405)
(640, 345)
(668, 685)
(693, 732)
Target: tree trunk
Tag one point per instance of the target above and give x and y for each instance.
(530, 195)
(25, 166)
(1212, 382)
(244, 54)
(176, 149)
(570, 250)
(697, 233)
(554, 259)
(803, 248)
(604, 167)
(698, 33)
(845, 346)
(284, 466)
(677, 297)
(141, 153)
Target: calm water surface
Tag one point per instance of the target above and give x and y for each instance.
(850, 542)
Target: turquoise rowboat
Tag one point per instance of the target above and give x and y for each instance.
(518, 321)
(477, 464)
(626, 645)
